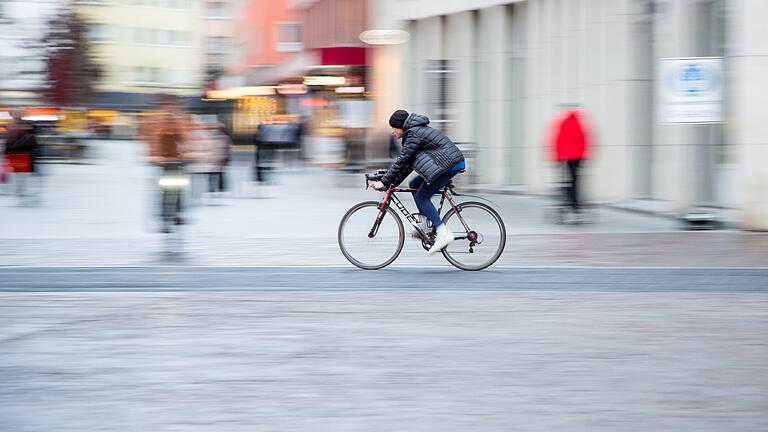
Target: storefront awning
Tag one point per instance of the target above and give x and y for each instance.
(347, 56)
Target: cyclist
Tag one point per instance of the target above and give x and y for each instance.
(168, 133)
(434, 157)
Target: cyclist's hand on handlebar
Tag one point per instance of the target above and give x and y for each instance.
(379, 186)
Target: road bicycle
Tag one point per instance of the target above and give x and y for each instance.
(371, 234)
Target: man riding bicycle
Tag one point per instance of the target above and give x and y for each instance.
(434, 157)
(167, 134)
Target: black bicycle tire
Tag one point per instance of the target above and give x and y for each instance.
(349, 257)
(498, 253)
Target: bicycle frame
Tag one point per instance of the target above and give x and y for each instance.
(390, 197)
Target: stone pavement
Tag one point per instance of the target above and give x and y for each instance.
(101, 214)
(612, 358)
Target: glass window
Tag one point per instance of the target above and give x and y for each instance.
(141, 36)
(218, 9)
(219, 44)
(179, 76)
(98, 32)
(288, 36)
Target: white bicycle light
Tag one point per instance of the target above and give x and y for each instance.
(171, 182)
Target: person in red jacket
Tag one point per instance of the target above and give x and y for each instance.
(570, 146)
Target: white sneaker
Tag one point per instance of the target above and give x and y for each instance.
(444, 238)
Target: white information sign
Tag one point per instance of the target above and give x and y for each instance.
(692, 90)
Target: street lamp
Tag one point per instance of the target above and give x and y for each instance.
(385, 37)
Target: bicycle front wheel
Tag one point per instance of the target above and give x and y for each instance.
(480, 236)
(370, 252)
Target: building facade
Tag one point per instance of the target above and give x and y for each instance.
(146, 47)
(495, 73)
(268, 35)
(218, 28)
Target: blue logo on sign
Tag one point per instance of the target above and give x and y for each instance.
(693, 79)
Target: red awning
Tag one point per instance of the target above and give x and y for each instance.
(348, 56)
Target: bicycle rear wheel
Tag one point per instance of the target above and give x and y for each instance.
(370, 253)
(480, 236)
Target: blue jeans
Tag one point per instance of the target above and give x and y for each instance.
(424, 194)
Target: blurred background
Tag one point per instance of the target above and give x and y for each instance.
(667, 92)
(604, 132)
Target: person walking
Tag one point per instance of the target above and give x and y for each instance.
(220, 144)
(21, 151)
(570, 147)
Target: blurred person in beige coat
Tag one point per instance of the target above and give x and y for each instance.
(167, 131)
(208, 154)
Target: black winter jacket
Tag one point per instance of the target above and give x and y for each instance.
(21, 139)
(425, 150)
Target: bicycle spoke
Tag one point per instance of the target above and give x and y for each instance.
(365, 251)
(480, 236)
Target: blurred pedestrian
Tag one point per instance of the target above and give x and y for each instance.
(21, 150)
(197, 150)
(5, 169)
(570, 147)
(207, 154)
(218, 157)
(263, 152)
(269, 139)
(168, 130)
(302, 128)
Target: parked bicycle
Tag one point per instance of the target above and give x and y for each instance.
(371, 235)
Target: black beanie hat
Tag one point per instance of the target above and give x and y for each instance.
(397, 120)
